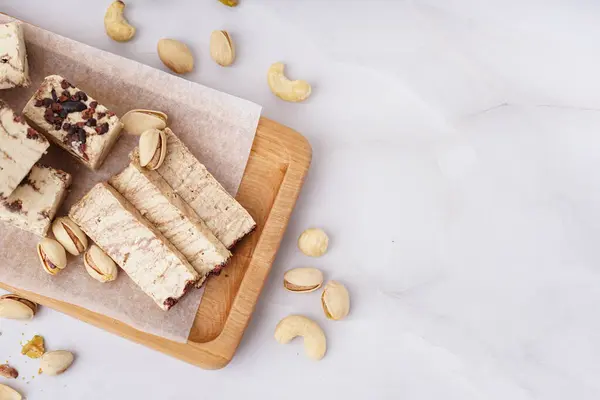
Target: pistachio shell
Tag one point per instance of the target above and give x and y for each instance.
(335, 300)
(56, 362)
(303, 280)
(69, 235)
(52, 256)
(99, 265)
(8, 393)
(153, 148)
(222, 49)
(175, 55)
(137, 122)
(32, 305)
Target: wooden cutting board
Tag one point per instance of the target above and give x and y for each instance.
(278, 163)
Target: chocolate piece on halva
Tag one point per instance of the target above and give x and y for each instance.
(14, 70)
(73, 120)
(33, 205)
(160, 205)
(149, 259)
(224, 216)
(20, 148)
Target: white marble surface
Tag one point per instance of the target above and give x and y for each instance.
(456, 158)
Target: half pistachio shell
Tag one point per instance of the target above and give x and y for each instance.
(335, 300)
(139, 121)
(303, 280)
(56, 362)
(8, 393)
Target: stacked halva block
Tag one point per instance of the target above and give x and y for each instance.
(141, 218)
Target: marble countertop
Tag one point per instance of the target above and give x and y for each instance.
(456, 169)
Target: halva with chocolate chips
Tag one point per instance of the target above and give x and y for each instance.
(73, 120)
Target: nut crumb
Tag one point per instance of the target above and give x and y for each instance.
(34, 348)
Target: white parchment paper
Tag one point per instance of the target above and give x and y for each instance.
(217, 127)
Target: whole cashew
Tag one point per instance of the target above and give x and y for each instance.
(315, 343)
(284, 88)
(115, 23)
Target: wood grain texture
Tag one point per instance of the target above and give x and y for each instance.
(276, 169)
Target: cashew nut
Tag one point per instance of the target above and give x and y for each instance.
(115, 23)
(315, 343)
(284, 88)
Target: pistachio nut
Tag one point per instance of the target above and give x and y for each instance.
(69, 235)
(56, 362)
(153, 148)
(16, 307)
(335, 300)
(99, 265)
(8, 372)
(221, 48)
(302, 280)
(315, 342)
(137, 122)
(52, 256)
(8, 393)
(175, 55)
(313, 242)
